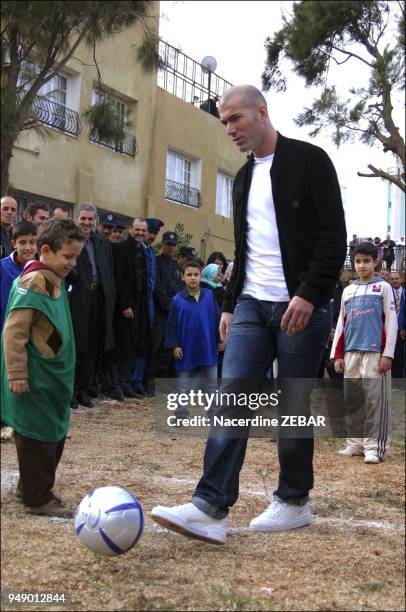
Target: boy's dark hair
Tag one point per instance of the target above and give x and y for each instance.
(366, 248)
(32, 209)
(61, 207)
(24, 228)
(54, 232)
(192, 263)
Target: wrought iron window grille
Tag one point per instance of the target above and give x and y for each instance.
(182, 193)
(56, 115)
(127, 146)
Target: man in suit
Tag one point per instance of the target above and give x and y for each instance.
(92, 294)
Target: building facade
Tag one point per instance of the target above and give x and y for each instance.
(176, 161)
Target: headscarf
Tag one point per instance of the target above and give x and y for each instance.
(209, 273)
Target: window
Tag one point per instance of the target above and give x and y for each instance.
(55, 89)
(181, 174)
(178, 168)
(224, 203)
(128, 145)
(56, 99)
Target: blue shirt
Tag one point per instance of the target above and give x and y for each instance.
(9, 270)
(194, 327)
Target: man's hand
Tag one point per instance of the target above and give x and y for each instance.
(225, 324)
(128, 313)
(19, 386)
(220, 347)
(385, 364)
(297, 315)
(403, 334)
(339, 365)
(177, 353)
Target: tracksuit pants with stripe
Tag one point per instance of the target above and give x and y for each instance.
(367, 396)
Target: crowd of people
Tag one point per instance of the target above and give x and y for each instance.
(120, 295)
(388, 252)
(136, 316)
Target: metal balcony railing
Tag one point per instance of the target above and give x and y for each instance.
(397, 264)
(180, 192)
(185, 78)
(56, 115)
(126, 146)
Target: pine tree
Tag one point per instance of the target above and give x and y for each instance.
(322, 33)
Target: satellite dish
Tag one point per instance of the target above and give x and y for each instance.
(209, 62)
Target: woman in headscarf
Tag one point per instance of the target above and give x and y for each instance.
(211, 279)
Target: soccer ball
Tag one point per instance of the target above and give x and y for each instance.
(109, 521)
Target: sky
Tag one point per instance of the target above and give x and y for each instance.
(234, 32)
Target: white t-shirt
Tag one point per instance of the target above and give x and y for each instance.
(264, 279)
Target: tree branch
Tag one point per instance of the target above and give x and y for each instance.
(378, 173)
(351, 54)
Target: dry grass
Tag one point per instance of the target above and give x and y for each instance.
(343, 561)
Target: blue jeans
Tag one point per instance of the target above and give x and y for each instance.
(255, 340)
(187, 381)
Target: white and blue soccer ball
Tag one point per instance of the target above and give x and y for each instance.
(109, 521)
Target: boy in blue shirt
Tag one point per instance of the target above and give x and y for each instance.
(192, 328)
(24, 242)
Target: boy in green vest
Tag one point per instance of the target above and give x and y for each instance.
(38, 365)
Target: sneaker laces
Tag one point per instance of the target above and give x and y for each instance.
(275, 507)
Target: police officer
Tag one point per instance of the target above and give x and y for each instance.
(117, 231)
(168, 283)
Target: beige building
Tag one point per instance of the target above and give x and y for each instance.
(176, 162)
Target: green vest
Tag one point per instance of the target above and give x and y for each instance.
(43, 412)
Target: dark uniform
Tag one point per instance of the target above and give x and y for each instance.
(168, 283)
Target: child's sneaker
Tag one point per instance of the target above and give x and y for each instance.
(281, 516)
(55, 507)
(371, 458)
(351, 451)
(192, 522)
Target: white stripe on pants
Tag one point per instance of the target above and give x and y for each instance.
(375, 394)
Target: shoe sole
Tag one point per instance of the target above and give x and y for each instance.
(372, 461)
(295, 525)
(169, 523)
(67, 515)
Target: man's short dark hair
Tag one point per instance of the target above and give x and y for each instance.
(24, 228)
(192, 263)
(366, 248)
(55, 232)
(32, 209)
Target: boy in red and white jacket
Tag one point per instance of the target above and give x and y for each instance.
(363, 348)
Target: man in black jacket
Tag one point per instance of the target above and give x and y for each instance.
(92, 300)
(132, 319)
(290, 244)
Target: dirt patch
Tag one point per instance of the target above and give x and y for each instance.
(350, 558)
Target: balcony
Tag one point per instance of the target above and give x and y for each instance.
(56, 115)
(126, 146)
(185, 78)
(182, 193)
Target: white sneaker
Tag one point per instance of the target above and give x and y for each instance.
(351, 451)
(192, 522)
(280, 516)
(371, 458)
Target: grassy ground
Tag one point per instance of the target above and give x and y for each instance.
(350, 558)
